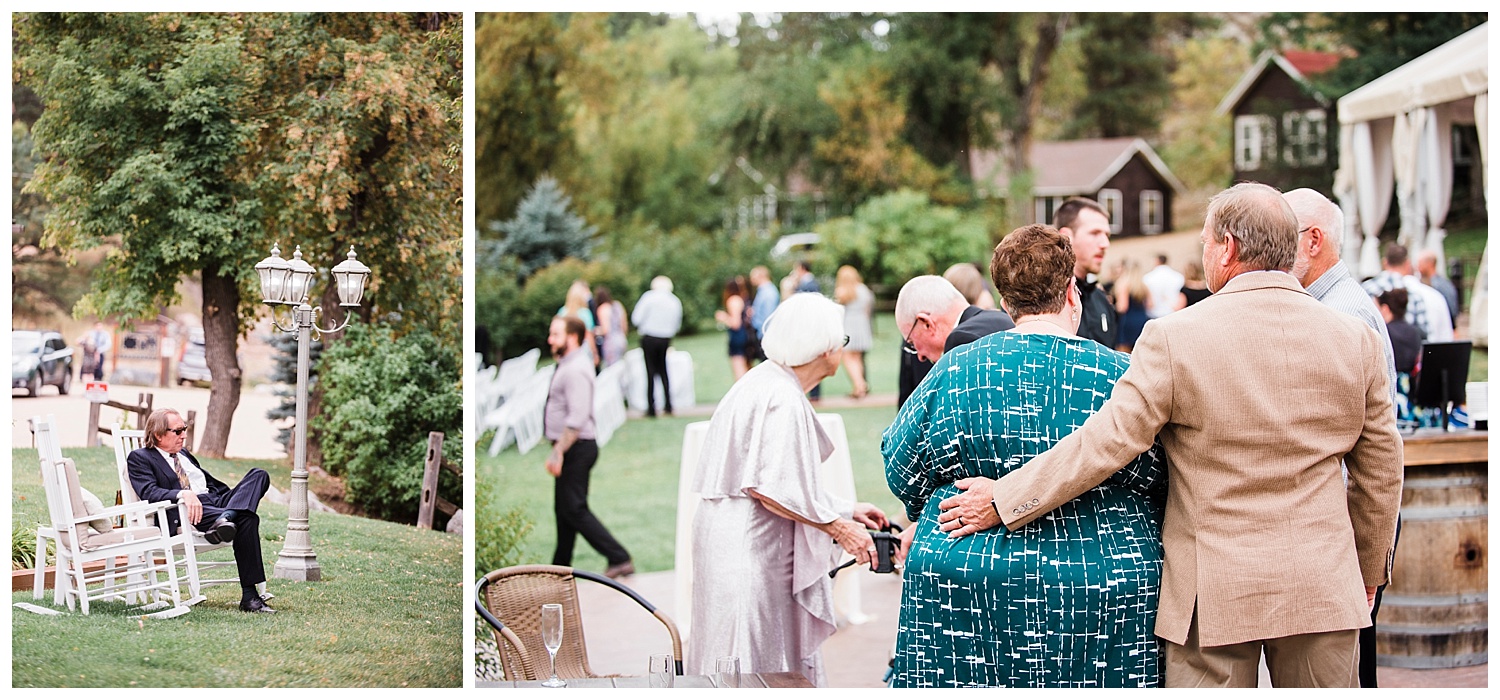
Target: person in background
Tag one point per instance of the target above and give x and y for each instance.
(657, 318)
(613, 329)
(766, 300)
(859, 306)
(767, 531)
(735, 317)
(1406, 339)
(1131, 296)
(970, 282)
(1194, 288)
(1428, 273)
(578, 305)
(569, 423)
(1163, 283)
(1085, 223)
(1425, 307)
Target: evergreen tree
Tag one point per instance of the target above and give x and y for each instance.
(545, 230)
(284, 373)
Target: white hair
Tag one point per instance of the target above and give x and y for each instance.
(661, 283)
(928, 293)
(1313, 209)
(803, 327)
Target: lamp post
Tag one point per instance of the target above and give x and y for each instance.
(286, 283)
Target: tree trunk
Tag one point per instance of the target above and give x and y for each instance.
(1027, 94)
(221, 333)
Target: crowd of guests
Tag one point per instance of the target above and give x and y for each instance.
(1109, 484)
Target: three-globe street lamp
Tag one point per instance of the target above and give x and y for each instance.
(286, 283)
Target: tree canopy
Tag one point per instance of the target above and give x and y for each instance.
(185, 144)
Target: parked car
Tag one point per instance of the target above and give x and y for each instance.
(193, 367)
(38, 358)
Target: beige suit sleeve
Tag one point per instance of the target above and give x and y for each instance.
(1125, 426)
(1376, 470)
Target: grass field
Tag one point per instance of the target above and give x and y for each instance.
(388, 612)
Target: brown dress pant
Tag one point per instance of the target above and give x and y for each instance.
(1318, 660)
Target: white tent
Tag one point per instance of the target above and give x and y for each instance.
(1395, 137)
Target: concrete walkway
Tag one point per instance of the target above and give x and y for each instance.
(621, 635)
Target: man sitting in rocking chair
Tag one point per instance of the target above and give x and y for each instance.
(164, 470)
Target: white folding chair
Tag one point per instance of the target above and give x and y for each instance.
(531, 403)
(514, 372)
(187, 538)
(609, 402)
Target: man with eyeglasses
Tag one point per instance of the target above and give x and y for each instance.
(164, 470)
(934, 317)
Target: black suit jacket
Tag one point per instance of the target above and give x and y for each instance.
(153, 479)
(976, 323)
(1099, 321)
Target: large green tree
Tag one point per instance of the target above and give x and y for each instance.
(1380, 41)
(186, 143)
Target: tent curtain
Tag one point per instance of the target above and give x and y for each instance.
(1479, 306)
(1375, 184)
(1406, 152)
(1437, 178)
(1345, 190)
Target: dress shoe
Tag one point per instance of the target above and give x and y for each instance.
(255, 605)
(222, 531)
(624, 568)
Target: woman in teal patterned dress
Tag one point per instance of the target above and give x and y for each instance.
(1070, 599)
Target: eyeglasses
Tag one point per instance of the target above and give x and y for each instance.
(906, 345)
(1309, 228)
(846, 342)
(179, 431)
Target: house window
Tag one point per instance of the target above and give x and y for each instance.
(1113, 202)
(1254, 141)
(1151, 211)
(1304, 137)
(1045, 206)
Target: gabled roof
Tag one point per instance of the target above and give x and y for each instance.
(1300, 65)
(1065, 168)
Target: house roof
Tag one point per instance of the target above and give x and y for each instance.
(1300, 65)
(1065, 168)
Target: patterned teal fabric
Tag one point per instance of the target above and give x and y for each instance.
(1070, 599)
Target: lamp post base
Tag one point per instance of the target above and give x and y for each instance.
(298, 568)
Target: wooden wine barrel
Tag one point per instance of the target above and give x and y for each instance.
(1435, 612)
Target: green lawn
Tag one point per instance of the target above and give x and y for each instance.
(388, 612)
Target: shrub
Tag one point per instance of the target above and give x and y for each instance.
(897, 236)
(544, 230)
(382, 396)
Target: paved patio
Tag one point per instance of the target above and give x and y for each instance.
(621, 636)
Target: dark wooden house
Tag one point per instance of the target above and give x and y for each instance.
(1285, 131)
(1123, 174)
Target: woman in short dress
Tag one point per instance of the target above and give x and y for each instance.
(859, 305)
(735, 319)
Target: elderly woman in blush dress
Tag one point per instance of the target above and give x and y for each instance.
(767, 532)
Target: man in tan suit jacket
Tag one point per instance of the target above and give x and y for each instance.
(1256, 394)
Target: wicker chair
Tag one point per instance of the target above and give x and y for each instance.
(516, 595)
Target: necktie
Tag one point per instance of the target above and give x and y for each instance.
(181, 475)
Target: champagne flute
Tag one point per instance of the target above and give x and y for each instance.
(661, 671)
(552, 630)
(727, 672)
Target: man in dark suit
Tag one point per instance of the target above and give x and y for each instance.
(1086, 224)
(164, 470)
(933, 317)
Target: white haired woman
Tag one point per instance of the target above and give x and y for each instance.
(766, 532)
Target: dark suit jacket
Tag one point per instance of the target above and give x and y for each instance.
(153, 479)
(1099, 321)
(976, 323)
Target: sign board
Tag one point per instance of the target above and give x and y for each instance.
(97, 392)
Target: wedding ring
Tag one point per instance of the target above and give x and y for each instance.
(960, 521)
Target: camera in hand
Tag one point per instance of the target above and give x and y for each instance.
(886, 543)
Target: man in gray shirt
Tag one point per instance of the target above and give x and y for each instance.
(657, 318)
(569, 424)
(1320, 225)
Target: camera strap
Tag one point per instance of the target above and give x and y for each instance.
(881, 537)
